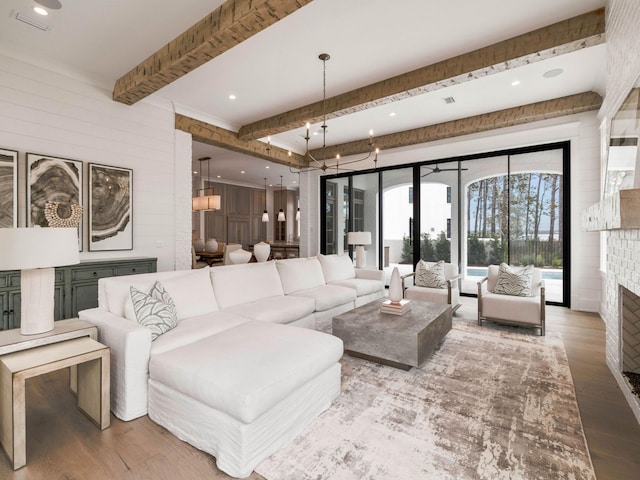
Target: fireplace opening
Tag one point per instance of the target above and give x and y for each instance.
(631, 338)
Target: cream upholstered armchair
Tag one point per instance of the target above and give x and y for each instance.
(436, 282)
(502, 299)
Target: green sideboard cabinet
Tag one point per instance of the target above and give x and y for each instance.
(76, 286)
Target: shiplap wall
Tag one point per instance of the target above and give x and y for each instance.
(48, 113)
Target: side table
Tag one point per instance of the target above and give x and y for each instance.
(70, 344)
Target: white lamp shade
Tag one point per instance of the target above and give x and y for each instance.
(205, 202)
(35, 251)
(281, 217)
(27, 248)
(359, 238)
(265, 216)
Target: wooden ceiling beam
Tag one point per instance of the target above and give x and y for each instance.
(559, 107)
(220, 137)
(563, 37)
(227, 26)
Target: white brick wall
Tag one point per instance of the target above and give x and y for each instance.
(623, 247)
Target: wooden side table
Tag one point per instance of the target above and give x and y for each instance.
(48, 352)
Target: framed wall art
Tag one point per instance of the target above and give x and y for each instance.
(54, 192)
(8, 188)
(110, 208)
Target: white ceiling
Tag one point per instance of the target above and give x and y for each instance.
(278, 69)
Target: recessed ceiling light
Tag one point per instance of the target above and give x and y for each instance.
(552, 73)
(232, 97)
(241, 171)
(40, 11)
(515, 82)
(392, 114)
(195, 172)
(267, 166)
(294, 181)
(218, 176)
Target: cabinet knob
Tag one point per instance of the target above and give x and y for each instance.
(95, 274)
(133, 269)
(6, 312)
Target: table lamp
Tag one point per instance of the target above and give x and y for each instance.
(35, 251)
(359, 239)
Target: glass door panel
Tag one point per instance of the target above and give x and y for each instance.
(336, 215)
(485, 218)
(535, 222)
(364, 211)
(439, 212)
(397, 221)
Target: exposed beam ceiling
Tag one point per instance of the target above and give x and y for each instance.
(220, 137)
(534, 112)
(227, 26)
(563, 37)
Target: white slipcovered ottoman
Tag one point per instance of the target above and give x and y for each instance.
(245, 392)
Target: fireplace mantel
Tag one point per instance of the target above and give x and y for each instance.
(621, 211)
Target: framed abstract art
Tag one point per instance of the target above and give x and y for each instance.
(8, 188)
(110, 208)
(54, 192)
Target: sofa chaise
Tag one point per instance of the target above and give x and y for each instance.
(236, 377)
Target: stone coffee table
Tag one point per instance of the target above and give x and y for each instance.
(401, 341)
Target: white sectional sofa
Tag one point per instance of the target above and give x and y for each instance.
(235, 377)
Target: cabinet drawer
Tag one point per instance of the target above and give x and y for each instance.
(89, 273)
(133, 269)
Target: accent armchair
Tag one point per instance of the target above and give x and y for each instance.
(449, 294)
(511, 309)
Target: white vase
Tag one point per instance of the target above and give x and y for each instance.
(261, 251)
(211, 245)
(395, 286)
(198, 244)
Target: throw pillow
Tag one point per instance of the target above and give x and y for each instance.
(430, 274)
(514, 280)
(154, 310)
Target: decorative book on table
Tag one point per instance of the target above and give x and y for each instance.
(395, 308)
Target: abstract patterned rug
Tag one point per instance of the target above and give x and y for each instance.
(489, 404)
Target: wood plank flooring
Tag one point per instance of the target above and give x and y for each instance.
(63, 444)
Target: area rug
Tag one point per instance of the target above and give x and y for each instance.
(489, 404)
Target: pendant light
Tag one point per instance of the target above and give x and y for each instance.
(207, 201)
(265, 214)
(281, 217)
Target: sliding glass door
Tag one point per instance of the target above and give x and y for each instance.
(474, 211)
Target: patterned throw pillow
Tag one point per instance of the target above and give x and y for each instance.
(430, 274)
(514, 280)
(154, 310)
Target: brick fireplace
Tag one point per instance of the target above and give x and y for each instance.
(619, 216)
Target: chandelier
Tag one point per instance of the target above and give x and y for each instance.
(313, 163)
(207, 200)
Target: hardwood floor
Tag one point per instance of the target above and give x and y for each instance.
(64, 444)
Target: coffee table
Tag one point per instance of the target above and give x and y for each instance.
(400, 341)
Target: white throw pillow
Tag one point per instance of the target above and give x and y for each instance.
(192, 294)
(514, 280)
(154, 310)
(429, 274)
(337, 267)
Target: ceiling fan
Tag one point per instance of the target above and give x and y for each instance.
(437, 169)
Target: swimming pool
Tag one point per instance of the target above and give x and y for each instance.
(546, 274)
